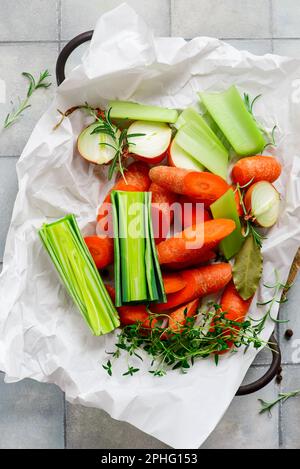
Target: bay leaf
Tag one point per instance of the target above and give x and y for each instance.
(247, 269)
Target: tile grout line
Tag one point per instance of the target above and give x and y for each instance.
(271, 24)
(170, 17)
(65, 422)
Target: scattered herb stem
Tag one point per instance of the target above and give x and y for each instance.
(269, 135)
(279, 296)
(34, 85)
(282, 397)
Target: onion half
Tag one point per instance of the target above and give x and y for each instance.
(262, 201)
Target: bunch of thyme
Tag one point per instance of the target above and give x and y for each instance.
(171, 349)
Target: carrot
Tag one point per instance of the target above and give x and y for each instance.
(132, 314)
(234, 307)
(202, 258)
(199, 282)
(178, 317)
(194, 241)
(101, 249)
(191, 212)
(173, 282)
(162, 214)
(256, 168)
(137, 180)
(203, 186)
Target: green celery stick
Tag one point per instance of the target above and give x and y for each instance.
(203, 148)
(150, 269)
(134, 111)
(191, 116)
(225, 207)
(69, 253)
(162, 297)
(232, 117)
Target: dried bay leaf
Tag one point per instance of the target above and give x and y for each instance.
(247, 268)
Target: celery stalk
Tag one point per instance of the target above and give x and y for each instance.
(191, 116)
(134, 111)
(137, 272)
(199, 144)
(68, 251)
(225, 207)
(232, 117)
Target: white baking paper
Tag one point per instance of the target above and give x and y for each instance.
(42, 336)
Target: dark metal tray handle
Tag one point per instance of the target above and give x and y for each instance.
(276, 355)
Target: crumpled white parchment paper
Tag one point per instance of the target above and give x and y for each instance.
(42, 336)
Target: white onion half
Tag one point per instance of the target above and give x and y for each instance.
(93, 148)
(263, 202)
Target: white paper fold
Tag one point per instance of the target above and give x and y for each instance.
(42, 336)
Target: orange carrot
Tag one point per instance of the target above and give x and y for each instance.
(178, 317)
(234, 307)
(101, 249)
(173, 282)
(162, 215)
(194, 241)
(199, 282)
(203, 186)
(137, 180)
(191, 212)
(132, 314)
(256, 168)
(198, 260)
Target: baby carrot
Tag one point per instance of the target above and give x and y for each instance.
(197, 260)
(101, 249)
(131, 314)
(256, 168)
(235, 309)
(178, 317)
(194, 241)
(173, 282)
(203, 186)
(162, 214)
(199, 282)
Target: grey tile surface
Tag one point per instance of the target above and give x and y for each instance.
(290, 311)
(77, 16)
(15, 59)
(31, 415)
(290, 410)
(286, 15)
(242, 427)
(93, 428)
(8, 192)
(288, 47)
(223, 19)
(255, 46)
(23, 20)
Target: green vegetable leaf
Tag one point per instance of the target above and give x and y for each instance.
(247, 268)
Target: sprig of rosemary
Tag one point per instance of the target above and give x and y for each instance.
(201, 336)
(120, 138)
(34, 85)
(279, 296)
(250, 105)
(282, 397)
(120, 141)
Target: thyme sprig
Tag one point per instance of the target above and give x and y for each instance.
(204, 335)
(249, 103)
(282, 397)
(34, 85)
